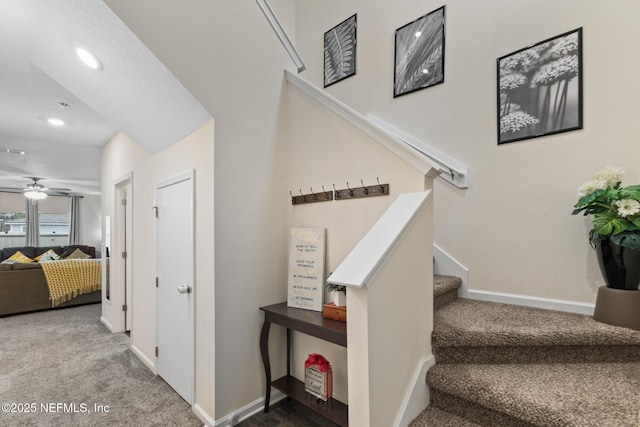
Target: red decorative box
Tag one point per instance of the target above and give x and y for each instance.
(318, 377)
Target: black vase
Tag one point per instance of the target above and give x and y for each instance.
(620, 266)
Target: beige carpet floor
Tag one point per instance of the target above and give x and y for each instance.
(56, 366)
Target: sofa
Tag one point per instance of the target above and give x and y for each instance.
(23, 287)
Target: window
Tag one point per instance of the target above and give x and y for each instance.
(13, 220)
(53, 218)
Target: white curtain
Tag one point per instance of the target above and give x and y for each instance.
(74, 223)
(33, 223)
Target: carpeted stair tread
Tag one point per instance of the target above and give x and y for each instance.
(549, 395)
(434, 417)
(443, 284)
(480, 323)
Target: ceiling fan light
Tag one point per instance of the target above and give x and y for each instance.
(35, 194)
(55, 121)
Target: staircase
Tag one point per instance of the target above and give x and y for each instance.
(512, 366)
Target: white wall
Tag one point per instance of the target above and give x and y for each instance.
(226, 54)
(195, 151)
(119, 158)
(512, 228)
(326, 150)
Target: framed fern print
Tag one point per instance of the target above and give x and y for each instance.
(340, 51)
(419, 54)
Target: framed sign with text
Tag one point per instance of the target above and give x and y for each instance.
(306, 268)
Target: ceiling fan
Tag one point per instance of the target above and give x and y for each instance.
(35, 190)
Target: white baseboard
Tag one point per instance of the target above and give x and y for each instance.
(529, 301)
(106, 323)
(204, 417)
(150, 363)
(248, 410)
(447, 265)
(416, 399)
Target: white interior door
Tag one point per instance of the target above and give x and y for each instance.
(175, 249)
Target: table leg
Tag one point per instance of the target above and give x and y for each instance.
(288, 352)
(264, 351)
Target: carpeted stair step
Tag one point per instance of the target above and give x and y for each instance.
(468, 331)
(445, 290)
(434, 417)
(548, 395)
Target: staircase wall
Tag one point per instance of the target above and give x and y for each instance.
(512, 227)
(323, 149)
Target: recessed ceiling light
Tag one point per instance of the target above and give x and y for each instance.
(89, 59)
(418, 33)
(55, 122)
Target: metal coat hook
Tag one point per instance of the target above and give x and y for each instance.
(324, 196)
(365, 190)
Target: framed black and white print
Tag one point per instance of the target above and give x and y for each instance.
(419, 54)
(540, 89)
(340, 51)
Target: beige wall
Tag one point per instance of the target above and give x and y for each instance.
(326, 150)
(91, 221)
(226, 54)
(512, 228)
(193, 152)
(119, 158)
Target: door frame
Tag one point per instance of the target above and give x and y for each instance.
(176, 179)
(122, 293)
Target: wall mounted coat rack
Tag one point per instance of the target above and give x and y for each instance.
(364, 191)
(323, 196)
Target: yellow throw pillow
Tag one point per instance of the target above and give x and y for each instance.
(50, 255)
(20, 257)
(78, 254)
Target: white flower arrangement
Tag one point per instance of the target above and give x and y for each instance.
(615, 209)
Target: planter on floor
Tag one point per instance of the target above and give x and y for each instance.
(618, 307)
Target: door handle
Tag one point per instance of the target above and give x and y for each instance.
(184, 289)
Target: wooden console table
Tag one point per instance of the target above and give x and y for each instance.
(310, 323)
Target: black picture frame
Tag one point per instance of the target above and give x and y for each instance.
(419, 53)
(340, 44)
(540, 89)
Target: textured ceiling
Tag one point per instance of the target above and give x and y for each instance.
(134, 93)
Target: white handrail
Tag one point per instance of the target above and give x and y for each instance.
(426, 159)
(416, 159)
(458, 173)
(282, 34)
(370, 254)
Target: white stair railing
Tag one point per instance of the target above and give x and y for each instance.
(420, 155)
(390, 296)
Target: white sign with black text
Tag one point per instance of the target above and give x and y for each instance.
(306, 268)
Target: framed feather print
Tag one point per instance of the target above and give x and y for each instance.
(340, 51)
(419, 54)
